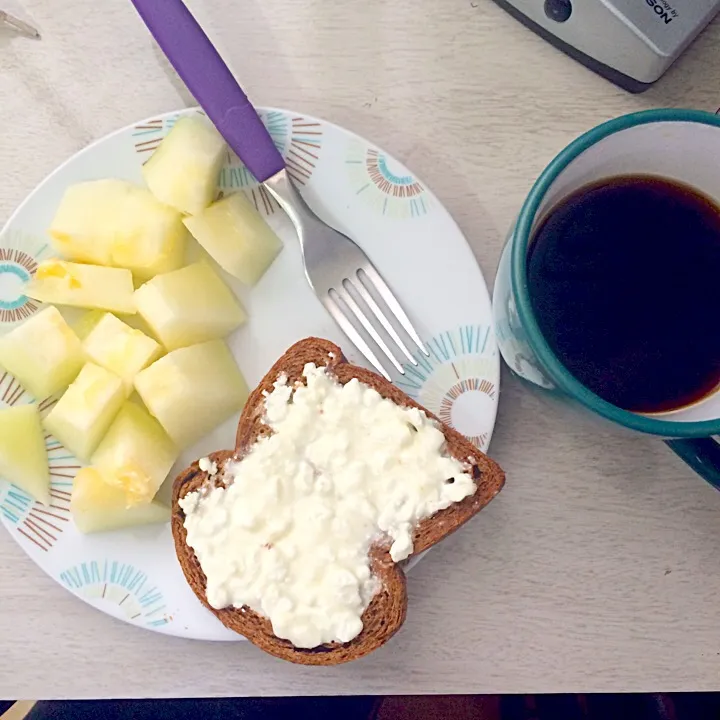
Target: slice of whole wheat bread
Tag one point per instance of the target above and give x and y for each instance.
(386, 611)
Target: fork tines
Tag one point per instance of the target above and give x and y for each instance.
(351, 303)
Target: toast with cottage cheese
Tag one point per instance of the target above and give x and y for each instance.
(386, 611)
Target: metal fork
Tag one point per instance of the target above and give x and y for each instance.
(345, 280)
(347, 283)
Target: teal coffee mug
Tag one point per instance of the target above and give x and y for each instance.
(679, 145)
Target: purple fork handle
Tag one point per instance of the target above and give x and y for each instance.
(198, 63)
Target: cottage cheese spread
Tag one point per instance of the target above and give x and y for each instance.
(208, 466)
(289, 534)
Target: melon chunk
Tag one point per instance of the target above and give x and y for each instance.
(113, 222)
(85, 286)
(189, 306)
(236, 237)
(183, 171)
(43, 353)
(84, 413)
(193, 389)
(85, 324)
(119, 348)
(79, 228)
(136, 454)
(23, 456)
(97, 504)
(157, 242)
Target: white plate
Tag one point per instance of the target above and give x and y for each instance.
(133, 574)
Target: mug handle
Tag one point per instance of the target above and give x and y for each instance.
(702, 455)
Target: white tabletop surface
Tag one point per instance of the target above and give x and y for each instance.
(598, 566)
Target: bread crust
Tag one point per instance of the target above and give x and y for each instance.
(386, 611)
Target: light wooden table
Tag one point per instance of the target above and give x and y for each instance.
(598, 567)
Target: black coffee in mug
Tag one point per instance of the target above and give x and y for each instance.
(624, 282)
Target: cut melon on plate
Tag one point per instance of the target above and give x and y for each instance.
(183, 171)
(192, 390)
(189, 306)
(234, 234)
(136, 454)
(98, 504)
(83, 414)
(154, 241)
(114, 222)
(23, 456)
(119, 348)
(43, 353)
(84, 286)
(86, 323)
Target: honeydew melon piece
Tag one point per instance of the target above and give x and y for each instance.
(114, 222)
(192, 390)
(83, 414)
(234, 234)
(136, 454)
(23, 456)
(86, 286)
(119, 348)
(189, 306)
(97, 504)
(43, 353)
(184, 169)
